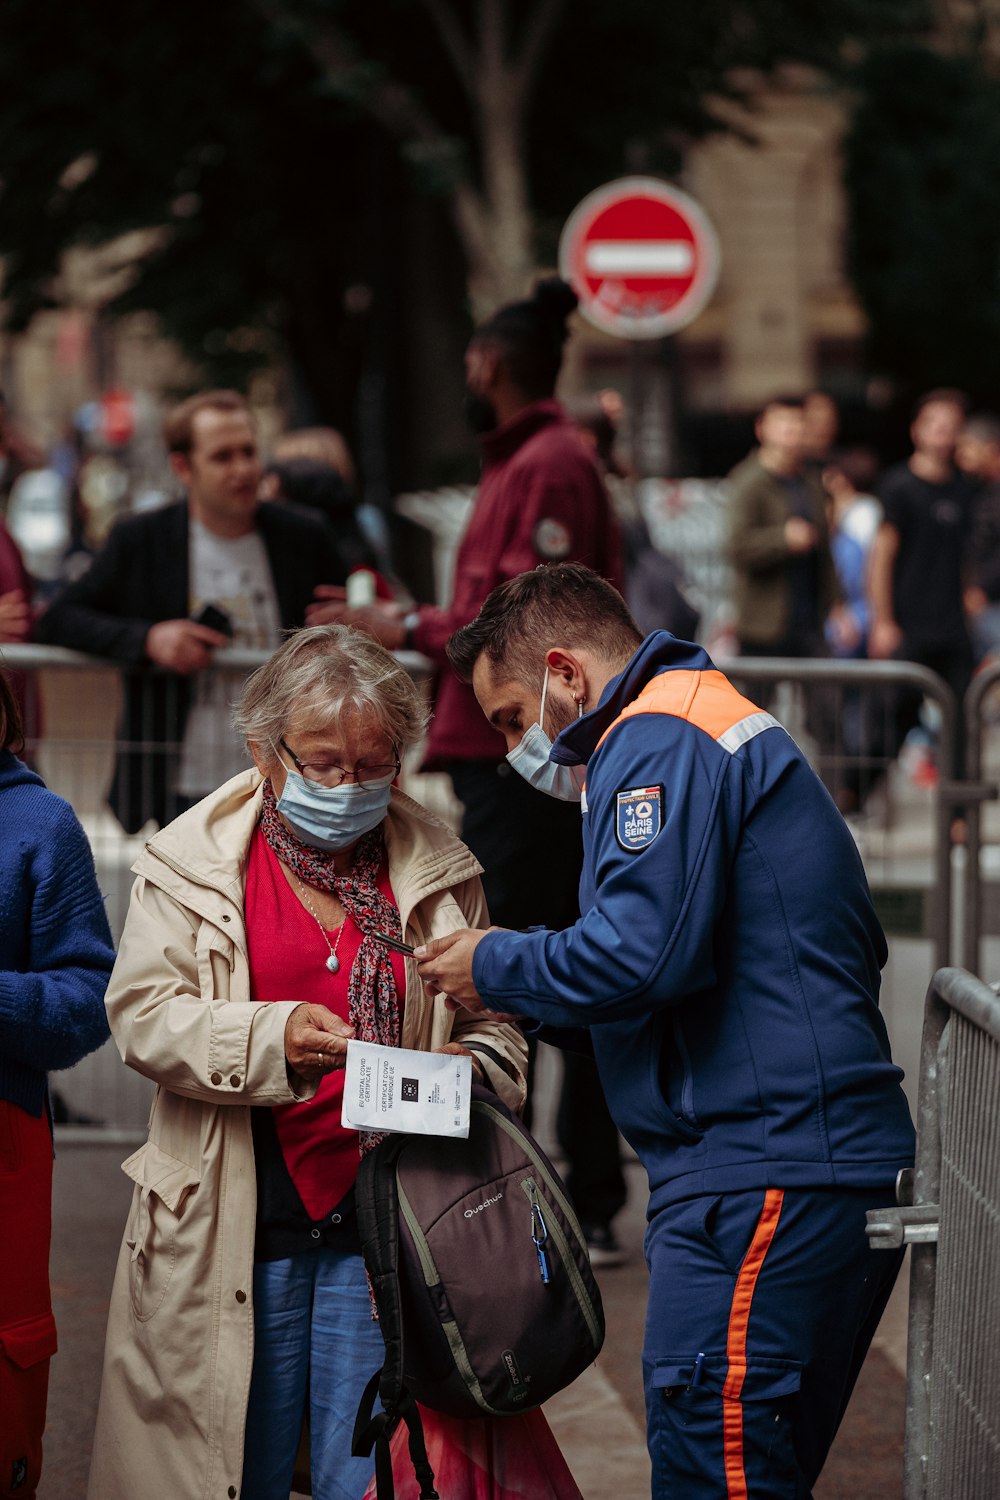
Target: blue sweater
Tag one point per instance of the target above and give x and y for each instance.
(55, 945)
(727, 957)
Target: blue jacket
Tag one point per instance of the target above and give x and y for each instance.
(55, 945)
(727, 957)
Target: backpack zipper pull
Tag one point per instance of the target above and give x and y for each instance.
(539, 1236)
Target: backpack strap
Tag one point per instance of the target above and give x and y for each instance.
(375, 1431)
(376, 1203)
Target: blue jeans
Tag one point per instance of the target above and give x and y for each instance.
(313, 1333)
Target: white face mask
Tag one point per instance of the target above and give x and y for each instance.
(530, 759)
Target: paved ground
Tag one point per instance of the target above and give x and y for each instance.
(598, 1422)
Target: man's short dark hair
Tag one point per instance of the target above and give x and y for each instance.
(984, 427)
(946, 395)
(178, 429)
(796, 402)
(11, 733)
(558, 604)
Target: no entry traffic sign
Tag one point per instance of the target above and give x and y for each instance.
(641, 256)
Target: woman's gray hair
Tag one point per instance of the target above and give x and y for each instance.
(326, 671)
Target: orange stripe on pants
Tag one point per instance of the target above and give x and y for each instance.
(736, 1343)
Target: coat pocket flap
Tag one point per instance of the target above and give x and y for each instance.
(170, 1179)
(762, 1379)
(28, 1343)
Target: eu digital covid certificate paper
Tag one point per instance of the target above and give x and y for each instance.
(416, 1093)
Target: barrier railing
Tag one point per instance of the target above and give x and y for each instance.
(950, 1216)
(77, 742)
(850, 721)
(981, 896)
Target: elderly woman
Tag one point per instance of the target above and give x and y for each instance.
(248, 960)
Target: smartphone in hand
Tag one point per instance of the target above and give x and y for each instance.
(395, 944)
(214, 618)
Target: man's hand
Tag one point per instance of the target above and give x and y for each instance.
(800, 535)
(15, 616)
(383, 620)
(457, 1050)
(183, 645)
(974, 599)
(445, 964)
(316, 1041)
(884, 639)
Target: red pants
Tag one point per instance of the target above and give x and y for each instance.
(27, 1328)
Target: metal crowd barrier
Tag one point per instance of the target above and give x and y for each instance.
(950, 1216)
(85, 717)
(75, 740)
(842, 713)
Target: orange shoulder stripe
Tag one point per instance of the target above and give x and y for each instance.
(707, 700)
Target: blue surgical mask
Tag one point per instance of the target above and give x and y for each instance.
(530, 759)
(331, 817)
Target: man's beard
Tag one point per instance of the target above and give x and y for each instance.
(480, 413)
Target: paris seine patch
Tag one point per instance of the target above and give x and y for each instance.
(638, 817)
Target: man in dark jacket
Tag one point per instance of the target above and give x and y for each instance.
(726, 970)
(254, 567)
(785, 583)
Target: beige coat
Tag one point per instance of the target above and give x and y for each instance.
(180, 1331)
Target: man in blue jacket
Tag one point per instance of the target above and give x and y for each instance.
(726, 968)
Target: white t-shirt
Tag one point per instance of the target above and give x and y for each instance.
(234, 575)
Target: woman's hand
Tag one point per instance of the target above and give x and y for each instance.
(457, 1050)
(316, 1041)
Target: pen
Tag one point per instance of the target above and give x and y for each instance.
(696, 1373)
(396, 944)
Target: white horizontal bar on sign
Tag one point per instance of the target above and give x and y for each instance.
(639, 257)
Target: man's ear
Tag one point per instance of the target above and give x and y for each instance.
(566, 667)
(181, 465)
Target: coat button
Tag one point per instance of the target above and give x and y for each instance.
(241, 1295)
(227, 918)
(334, 1218)
(231, 1492)
(235, 1080)
(315, 1233)
(216, 1077)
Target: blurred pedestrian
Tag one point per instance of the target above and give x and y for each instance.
(17, 453)
(248, 960)
(855, 516)
(978, 456)
(172, 587)
(55, 959)
(785, 584)
(541, 499)
(726, 971)
(820, 428)
(919, 561)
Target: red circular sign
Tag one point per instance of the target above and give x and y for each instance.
(641, 256)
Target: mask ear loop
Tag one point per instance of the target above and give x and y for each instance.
(541, 706)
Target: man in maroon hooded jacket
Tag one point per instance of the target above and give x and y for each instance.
(541, 499)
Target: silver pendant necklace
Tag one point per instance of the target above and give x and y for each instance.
(333, 962)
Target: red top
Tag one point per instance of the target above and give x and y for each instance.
(541, 499)
(288, 962)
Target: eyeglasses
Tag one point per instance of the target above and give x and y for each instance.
(329, 774)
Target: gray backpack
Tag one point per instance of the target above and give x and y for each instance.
(486, 1298)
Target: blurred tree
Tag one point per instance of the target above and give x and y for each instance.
(257, 142)
(924, 202)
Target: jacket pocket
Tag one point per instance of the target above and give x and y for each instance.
(162, 1187)
(764, 1379)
